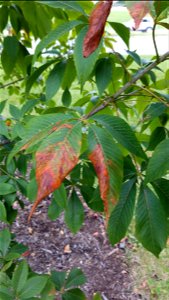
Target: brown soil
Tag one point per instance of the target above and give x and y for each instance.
(53, 247)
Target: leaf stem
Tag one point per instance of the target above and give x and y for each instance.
(136, 77)
(154, 41)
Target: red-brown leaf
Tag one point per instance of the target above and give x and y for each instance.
(97, 23)
(53, 164)
(138, 11)
(98, 160)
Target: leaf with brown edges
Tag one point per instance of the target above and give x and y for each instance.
(55, 158)
(138, 10)
(97, 23)
(108, 163)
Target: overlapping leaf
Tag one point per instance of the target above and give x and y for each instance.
(151, 222)
(137, 10)
(122, 132)
(123, 212)
(96, 27)
(107, 160)
(55, 158)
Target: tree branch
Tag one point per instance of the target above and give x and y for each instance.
(136, 77)
(10, 83)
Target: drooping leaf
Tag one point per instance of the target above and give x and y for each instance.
(5, 238)
(108, 163)
(103, 72)
(122, 214)
(4, 17)
(84, 66)
(122, 31)
(97, 23)
(74, 213)
(2, 212)
(9, 53)
(158, 135)
(66, 97)
(122, 132)
(54, 80)
(151, 222)
(55, 158)
(58, 204)
(158, 164)
(161, 186)
(20, 276)
(138, 10)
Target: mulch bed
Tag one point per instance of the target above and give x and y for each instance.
(53, 247)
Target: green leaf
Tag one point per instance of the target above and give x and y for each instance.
(9, 53)
(3, 129)
(58, 278)
(28, 106)
(69, 5)
(2, 212)
(5, 238)
(164, 24)
(14, 111)
(122, 132)
(54, 209)
(74, 214)
(97, 296)
(20, 276)
(154, 110)
(2, 105)
(69, 74)
(60, 196)
(33, 287)
(74, 294)
(160, 7)
(84, 66)
(121, 216)
(54, 79)
(158, 135)
(32, 189)
(35, 75)
(6, 188)
(66, 98)
(122, 31)
(161, 187)
(4, 17)
(54, 35)
(107, 160)
(103, 73)
(75, 278)
(151, 223)
(159, 162)
(134, 56)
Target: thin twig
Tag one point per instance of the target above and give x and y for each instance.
(12, 82)
(136, 77)
(154, 95)
(154, 41)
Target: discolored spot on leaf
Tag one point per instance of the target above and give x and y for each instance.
(97, 23)
(138, 10)
(55, 161)
(98, 160)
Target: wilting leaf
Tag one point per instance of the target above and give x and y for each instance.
(107, 160)
(97, 23)
(55, 158)
(137, 10)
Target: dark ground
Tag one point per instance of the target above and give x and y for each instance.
(52, 246)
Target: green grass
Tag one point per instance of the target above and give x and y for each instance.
(150, 275)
